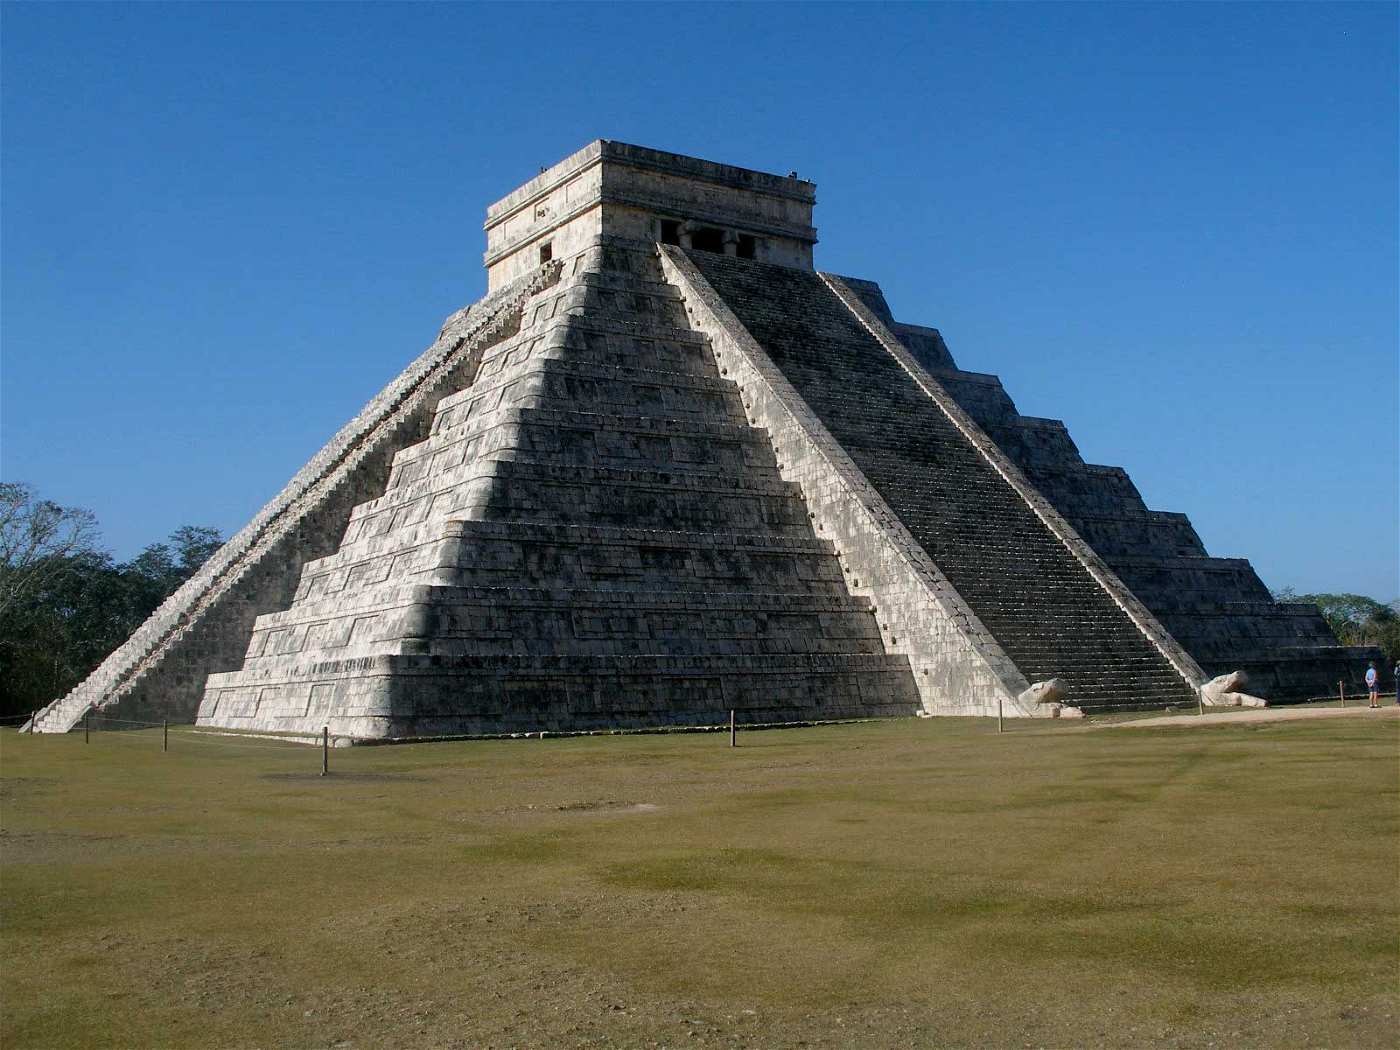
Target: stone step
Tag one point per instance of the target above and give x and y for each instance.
(623, 281)
(607, 324)
(552, 389)
(1087, 660)
(581, 371)
(557, 534)
(517, 490)
(398, 596)
(621, 296)
(1089, 646)
(567, 340)
(493, 552)
(588, 665)
(676, 398)
(755, 440)
(548, 634)
(512, 693)
(592, 440)
(1050, 624)
(569, 343)
(524, 466)
(634, 385)
(627, 558)
(1015, 574)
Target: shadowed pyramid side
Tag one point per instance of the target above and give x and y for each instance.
(1217, 608)
(1052, 607)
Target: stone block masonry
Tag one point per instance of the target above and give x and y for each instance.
(664, 470)
(1216, 609)
(590, 535)
(959, 667)
(1053, 608)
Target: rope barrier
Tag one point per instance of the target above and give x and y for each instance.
(183, 732)
(203, 738)
(115, 734)
(145, 741)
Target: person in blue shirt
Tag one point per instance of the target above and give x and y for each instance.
(1373, 681)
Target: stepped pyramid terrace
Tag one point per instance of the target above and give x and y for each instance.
(666, 469)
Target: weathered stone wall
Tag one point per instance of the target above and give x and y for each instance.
(958, 666)
(590, 535)
(624, 191)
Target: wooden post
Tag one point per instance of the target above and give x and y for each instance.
(325, 750)
(732, 733)
(85, 726)
(1001, 728)
(1342, 693)
(165, 734)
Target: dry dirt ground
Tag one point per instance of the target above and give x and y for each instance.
(894, 884)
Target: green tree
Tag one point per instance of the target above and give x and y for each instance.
(36, 535)
(64, 604)
(1356, 619)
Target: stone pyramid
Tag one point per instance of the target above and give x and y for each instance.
(665, 470)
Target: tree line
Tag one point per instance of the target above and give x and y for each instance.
(1356, 619)
(65, 603)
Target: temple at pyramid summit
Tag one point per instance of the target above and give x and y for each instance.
(666, 469)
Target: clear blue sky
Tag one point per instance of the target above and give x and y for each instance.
(1174, 227)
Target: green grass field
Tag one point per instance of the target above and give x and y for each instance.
(908, 883)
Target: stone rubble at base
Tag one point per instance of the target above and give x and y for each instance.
(666, 470)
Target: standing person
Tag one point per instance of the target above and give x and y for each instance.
(1373, 681)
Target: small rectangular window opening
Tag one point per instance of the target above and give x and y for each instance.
(546, 252)
(747, 246)
(670, 232)
(707, 239)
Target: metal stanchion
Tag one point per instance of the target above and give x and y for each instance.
(1001, 726)
(164, 734)
(325, 750)
(86, 727)
(1342, 693)
(733, 742)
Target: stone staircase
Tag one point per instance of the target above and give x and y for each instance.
(1216, 608)
(591, 536)
(1049, 614)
